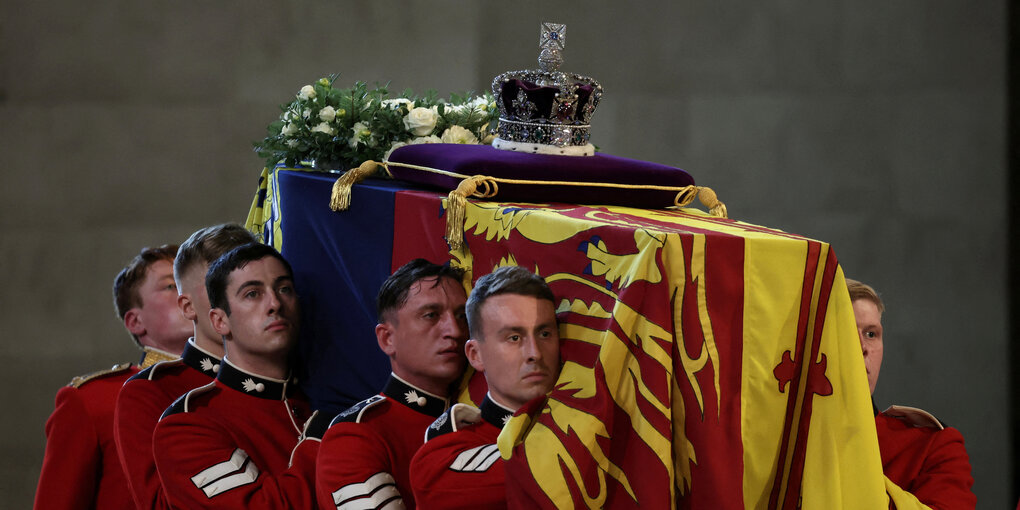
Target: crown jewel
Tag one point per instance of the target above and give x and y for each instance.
(546, 110)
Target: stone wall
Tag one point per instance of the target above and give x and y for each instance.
(876, 126)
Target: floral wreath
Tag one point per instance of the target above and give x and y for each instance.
(338, 129)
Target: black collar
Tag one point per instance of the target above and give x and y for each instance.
(494, 413)
(414, 397)
(251, 384)
(194, 357)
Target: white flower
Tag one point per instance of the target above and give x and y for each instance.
(361, 133)
(307, 92)
(394, 104)
(421, 121)
(395, 146)
(458, 134)
(307, 113)
(327, 114)
(425, 139)
(322, 127)
(289, 130)
(479, 103)
(292, 143)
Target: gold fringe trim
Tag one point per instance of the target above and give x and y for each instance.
(340, 199)
(484, 186)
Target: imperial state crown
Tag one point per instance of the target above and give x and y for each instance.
(545, 110)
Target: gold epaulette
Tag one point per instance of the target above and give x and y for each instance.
(82, 379)
(915, 417)
(152, 356)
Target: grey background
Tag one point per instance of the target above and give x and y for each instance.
(877, 126)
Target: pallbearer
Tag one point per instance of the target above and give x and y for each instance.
(245, 440)
(81, 468)
(363, 462)
(147, 394)
(515, 342)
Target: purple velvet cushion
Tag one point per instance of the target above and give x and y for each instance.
(601, 168)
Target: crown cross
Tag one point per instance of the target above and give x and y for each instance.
(552, 40)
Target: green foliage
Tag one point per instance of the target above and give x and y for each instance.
(342, 127)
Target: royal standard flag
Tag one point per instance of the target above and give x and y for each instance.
(708, 363)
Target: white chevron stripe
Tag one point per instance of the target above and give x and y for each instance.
(250, 473)
(220, 470)
(226, 475)
(477, 459)
(380, 488)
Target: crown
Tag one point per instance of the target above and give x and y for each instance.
(546, 110)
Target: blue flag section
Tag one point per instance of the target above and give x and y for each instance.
(339, 262)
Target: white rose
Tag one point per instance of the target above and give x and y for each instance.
(421, 121)
(395, 146)
(361, 132)
(289, 130)
(394, 104)
(322, 127)
(327, 114)
(458, 134)
(479, 103)
(425, 139)
(307, 92)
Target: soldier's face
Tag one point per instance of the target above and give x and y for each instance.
(264, 313)
(869, 329)
(425, 336)
(165, 326)
(519, 348)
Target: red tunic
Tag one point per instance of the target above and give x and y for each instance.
(462, 469)
(237, 443)
(926, 460)
(141, 402)
(365, 454)
(80, 468)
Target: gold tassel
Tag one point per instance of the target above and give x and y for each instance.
(456, 206)
(340, 200)
(711, 201)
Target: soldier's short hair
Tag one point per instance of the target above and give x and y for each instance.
(860, 290)
(219, 271)
(505, 280)
(127, 281)
(393, 292)
(208, 244)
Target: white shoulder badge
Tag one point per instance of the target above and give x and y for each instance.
(353, 413)
(914, 416)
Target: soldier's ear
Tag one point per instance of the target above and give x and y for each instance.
(133, 322)
(187, 307)
(474, 355)
(220, 321)
(384, 336)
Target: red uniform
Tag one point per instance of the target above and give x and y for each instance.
(924, 458)
(141, 402)
(460, 467)
(365, 454)
(237, 443)
(80, 468)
